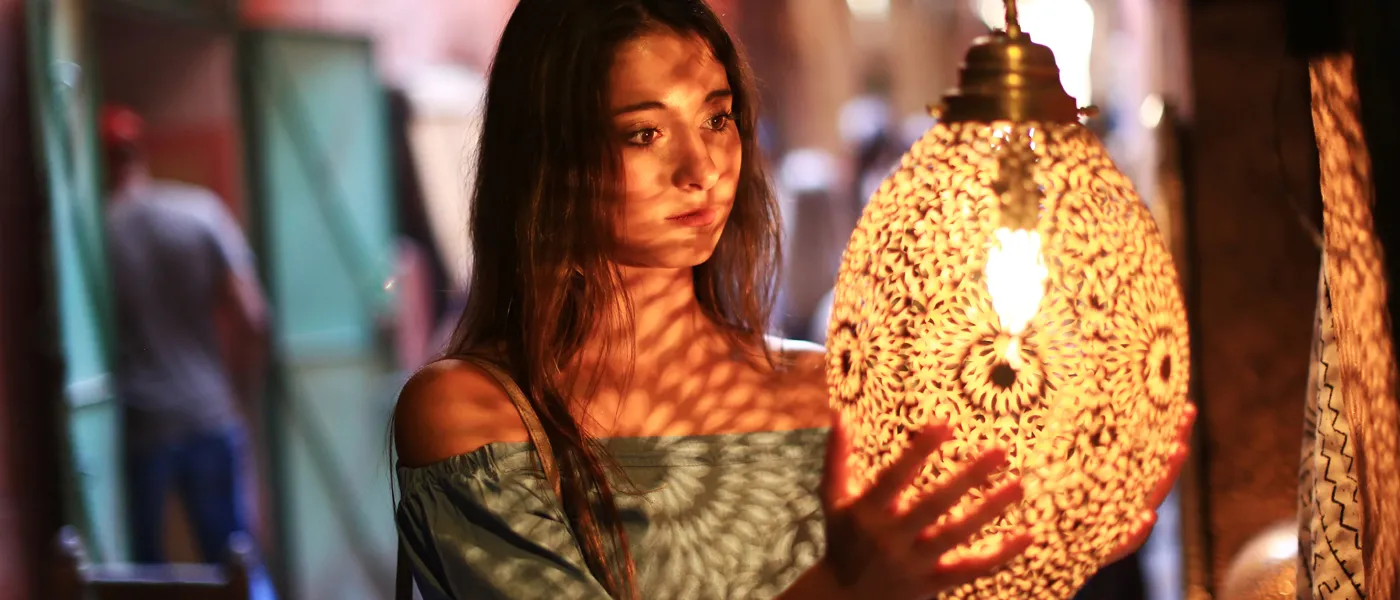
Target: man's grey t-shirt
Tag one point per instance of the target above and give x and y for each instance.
(170, 248)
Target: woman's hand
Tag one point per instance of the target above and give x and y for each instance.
(877, 550)
(1148, 519)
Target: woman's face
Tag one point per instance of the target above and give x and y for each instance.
(671, 112)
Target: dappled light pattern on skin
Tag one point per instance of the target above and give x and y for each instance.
(1089, 406)
(683, 376)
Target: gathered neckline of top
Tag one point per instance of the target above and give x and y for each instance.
(647, 451)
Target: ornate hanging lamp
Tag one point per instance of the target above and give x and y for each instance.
(1007, 279)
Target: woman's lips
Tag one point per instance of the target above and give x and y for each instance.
(697, 218)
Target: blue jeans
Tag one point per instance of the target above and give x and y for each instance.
(207, 472)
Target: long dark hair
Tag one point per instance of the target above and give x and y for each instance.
(541, 225)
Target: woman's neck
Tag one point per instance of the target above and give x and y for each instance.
(625, 371)
(664, 315)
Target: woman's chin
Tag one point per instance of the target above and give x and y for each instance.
(671, 256)
(670, 262)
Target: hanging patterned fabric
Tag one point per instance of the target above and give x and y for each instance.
(1364, 352)
(1329, 537)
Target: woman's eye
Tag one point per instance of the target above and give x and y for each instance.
(643, 137)
(720, 121)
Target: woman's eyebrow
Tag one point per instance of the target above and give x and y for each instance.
(657, 104)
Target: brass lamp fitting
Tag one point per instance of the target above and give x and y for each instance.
(1007, 77)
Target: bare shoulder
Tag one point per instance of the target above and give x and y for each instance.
(452, 407)
(800, 379)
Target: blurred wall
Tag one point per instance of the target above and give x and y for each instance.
(423, 33)
(823, 73)
(929, 40)
(430, 32)
(30, 498)
(1255, 270)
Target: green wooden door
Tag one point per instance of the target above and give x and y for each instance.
(62, 76)
(316, 131)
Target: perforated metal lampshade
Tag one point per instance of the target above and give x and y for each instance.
(1007, 279)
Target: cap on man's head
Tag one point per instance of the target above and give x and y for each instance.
(120, 126)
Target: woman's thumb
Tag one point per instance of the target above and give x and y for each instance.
(836, 474)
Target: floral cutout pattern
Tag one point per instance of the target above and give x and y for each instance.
(1086, 399)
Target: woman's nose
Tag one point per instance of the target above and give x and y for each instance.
(696, 168)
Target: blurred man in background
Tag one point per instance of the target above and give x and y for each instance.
(191, 324)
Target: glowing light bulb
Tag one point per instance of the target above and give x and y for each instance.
(1016, 277)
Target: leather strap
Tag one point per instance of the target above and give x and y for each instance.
(533, 426)
(403, 579)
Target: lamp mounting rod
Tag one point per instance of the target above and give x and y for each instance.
(1013, 20)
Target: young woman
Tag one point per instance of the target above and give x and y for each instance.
(611, 420)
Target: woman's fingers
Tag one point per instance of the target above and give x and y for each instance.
(1138, 535)
(898, 476)
(1176, 461)
(836, 481)
(939, 501)
(956, 532)
(949, 573)
(1168, 480)
(1135, 538)
(1188, 421)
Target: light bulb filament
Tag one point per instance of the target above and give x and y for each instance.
(1016, 276)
